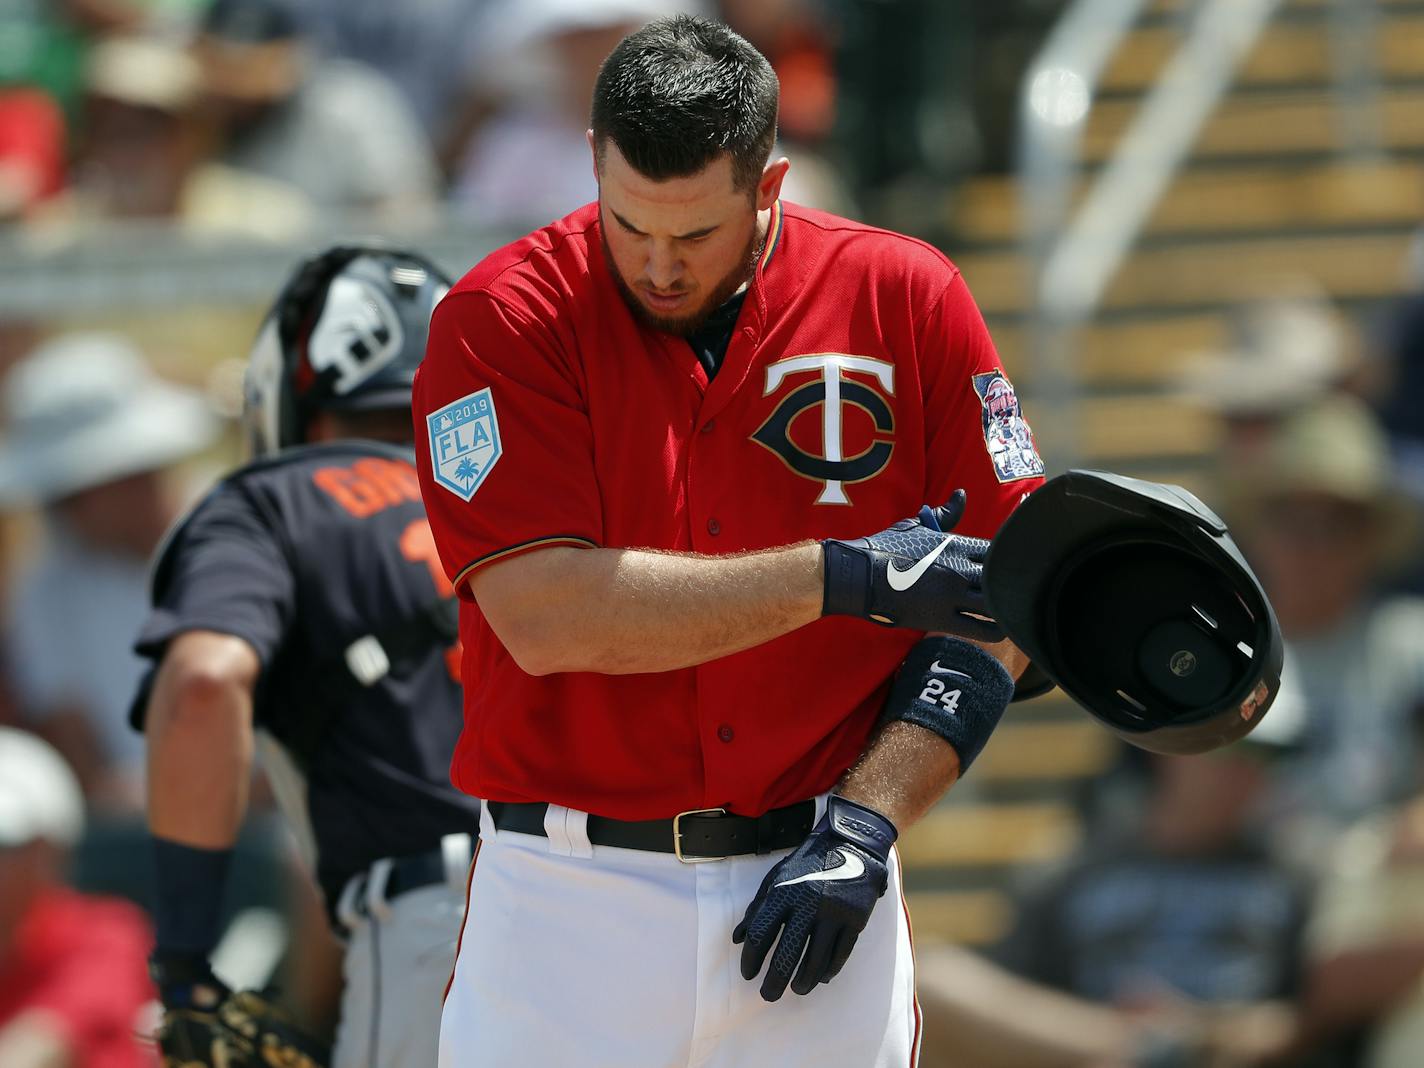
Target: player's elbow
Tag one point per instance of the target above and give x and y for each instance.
(533, 603)
(534, 646)
(203, 690)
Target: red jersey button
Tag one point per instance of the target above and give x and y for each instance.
(725, 733)
(713, 527)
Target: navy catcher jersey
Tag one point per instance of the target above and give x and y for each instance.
(301, 556)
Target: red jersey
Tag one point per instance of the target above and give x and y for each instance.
(83, 961)
(859, 383)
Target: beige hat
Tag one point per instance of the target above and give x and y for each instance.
(84, 410)
(144, 72)
(1333, 447)
(39, 794)
(1287, 352)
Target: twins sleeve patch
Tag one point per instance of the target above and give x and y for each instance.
(1007, 435)
(464, 443)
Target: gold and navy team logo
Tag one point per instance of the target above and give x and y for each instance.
(464, 443)
(1007, 435)
(856, 426)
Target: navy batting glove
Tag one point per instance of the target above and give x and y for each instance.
(818, 899)
(915, 575)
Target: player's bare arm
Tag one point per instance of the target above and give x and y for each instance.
(621, 611)
(907, 768)
(199, 728)
(624, 611)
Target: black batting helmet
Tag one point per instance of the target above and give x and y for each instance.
(346, 332)
(1133, 598)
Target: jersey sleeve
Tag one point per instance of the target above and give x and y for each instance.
(977, 435)
(226, 569)
(504, 445)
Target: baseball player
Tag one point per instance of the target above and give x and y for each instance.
(653, 437)
(302, 599)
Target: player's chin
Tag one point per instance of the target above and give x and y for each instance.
(681, 324)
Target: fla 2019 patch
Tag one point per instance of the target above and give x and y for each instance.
(464, 443)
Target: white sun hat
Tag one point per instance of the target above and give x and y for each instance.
(39, 794)
(85, 409)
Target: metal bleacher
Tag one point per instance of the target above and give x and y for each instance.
(1283, 178)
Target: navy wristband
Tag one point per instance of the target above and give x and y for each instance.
(187, 900)
(953, 689)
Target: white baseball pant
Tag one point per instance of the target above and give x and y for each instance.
(582, 956)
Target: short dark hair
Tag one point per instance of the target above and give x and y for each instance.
(679, 92)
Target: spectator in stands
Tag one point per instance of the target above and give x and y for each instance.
(45, 51)
(146, 155)
(1320, 517)
(140, 140)
(530, 163)
(1402, 403)
(32, 150)
(1286, 350)
(73, 968)
(1366, 946)
(431, 50)
(336, 130)
(1179, 938)
(91, 434)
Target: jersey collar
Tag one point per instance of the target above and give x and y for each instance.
(773, 235)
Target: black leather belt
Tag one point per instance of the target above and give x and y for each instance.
(696, 835)
(414, 873)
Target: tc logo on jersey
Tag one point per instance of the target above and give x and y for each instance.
(464, 443)
(833, 392)
(1006, 433)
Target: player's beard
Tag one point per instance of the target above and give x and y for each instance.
(687, 325)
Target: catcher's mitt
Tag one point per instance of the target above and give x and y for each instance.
(245, 1030)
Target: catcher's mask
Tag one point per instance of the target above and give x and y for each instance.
(1132, 597)
(347, 331)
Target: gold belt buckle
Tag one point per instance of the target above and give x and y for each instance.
(677, 833)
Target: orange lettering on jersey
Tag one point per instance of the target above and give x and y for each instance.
(395, 481)
(348, 490)
(369, 486)
(417, 544)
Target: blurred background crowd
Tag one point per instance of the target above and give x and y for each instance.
(1193, 227)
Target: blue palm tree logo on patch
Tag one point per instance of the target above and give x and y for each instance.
(464, 443)
(467, 472)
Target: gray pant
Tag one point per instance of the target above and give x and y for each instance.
(398, 961)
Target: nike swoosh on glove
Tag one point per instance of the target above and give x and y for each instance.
(818, 900)
(914, 574)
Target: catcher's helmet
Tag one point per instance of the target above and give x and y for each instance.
(347, 331)
(1133, 598)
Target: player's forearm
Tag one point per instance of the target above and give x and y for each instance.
(906, 768)
(199, 729)
(902, 773)
(625, 611)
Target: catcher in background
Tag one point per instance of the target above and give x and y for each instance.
(300, 606)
